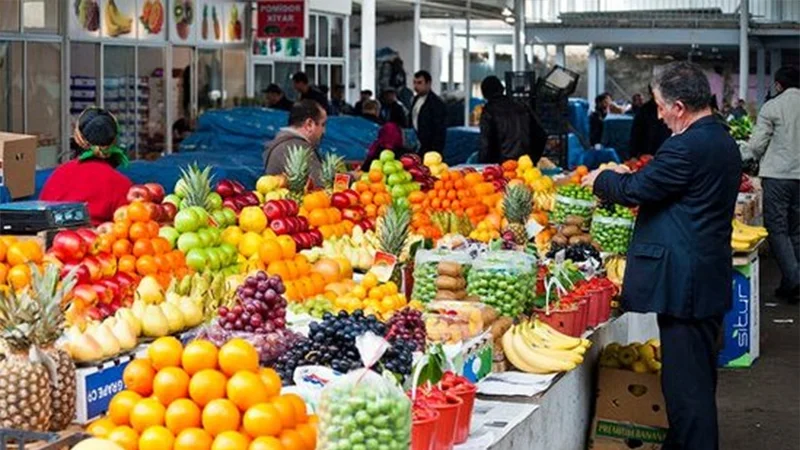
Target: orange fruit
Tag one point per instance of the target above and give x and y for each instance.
(156, 438)
(199, 355)
(170, 384)
(3, 251)
(292, 440)
(182, 414)
(146, 265)
(124, 436)
(101, 428)
(308, 433)
(3, 273)
(272, 381)
(237, 354)
(302, 265)
(220, 415)
(207, 385)
(291, 270)
(149, 412)
(138, 212)
(127, 263)
(270, 251)
(375, 176)
(120, 229)
(285, 408)
(19, 276)
(160, 245)
(122, 247)
(193, 439)
(16, 254)
(300, 410)
(266, 443)
(138, 230)
(138, 377)
(288, 247)
(231, 440)
(317, 218)
(152, 229)
(245, 389)
(142, 247)
(119, 409)
(165, 352)
(262, 419)
(318, 281)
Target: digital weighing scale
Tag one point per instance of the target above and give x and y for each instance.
(32, 217)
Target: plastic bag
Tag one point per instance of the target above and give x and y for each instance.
(270, 346)
(612, 233)
(568, 206)
(364, 410)
(425, 271)
(504, 280)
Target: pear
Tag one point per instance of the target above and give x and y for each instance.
(192, 313)
(149, 291)
(73, 333)
(85, 348)
(126, 315)
(110, 321)
(108, 342)
(175, 320)
(173, 297)
(137, 309)
(154, 323)
(124, 334)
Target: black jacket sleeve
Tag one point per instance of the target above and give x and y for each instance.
(439, 122)
(538, 137)
(595, 128)
(638, 134)
(488, 137)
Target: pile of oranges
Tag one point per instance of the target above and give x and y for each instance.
(373, 195)
(321, 215)
(134, 240)
(15, 255)
(200, 398)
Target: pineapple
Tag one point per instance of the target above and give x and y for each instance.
(195, 186)
(332, 164)
(297, 171)
(49, 296)
(517, 207)
(393, 234)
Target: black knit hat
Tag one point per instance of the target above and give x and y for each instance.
(98, 127)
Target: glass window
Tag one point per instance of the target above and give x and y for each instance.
(337, 75)
(152, 102)
(84, 72)
(323, 75)
(183, 94)
(337, 37)
(119, 92)
(283, 78)
(263, 78)
(209, 79)
(235, 76)
(311, 71)
(43, 99)
(324, 43)
(41, 16)
(311, 42)
(11, 87)
(9, 15)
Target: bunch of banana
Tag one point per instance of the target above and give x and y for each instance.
(535, 347)
(615, 269)
(544, 200)
(116, 22)
(640, 358)
(745, 237)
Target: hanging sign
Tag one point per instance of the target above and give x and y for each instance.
(281, 18)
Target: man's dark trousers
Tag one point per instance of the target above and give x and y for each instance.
(689, 350)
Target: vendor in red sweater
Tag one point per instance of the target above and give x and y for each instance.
(92, 177)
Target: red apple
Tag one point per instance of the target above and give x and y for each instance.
(105, 228)
(94, 313)
(155, 211)
(290, 207)
(103, 294)
(82, 275)
(316, 235)
(225, 189)
(230, 204)
(88, 236)
(352, 196)
(251, 198)
(273, 209)
(105, 309)
(279, 226)
(340, 200)
(303, 224)
(238, 188)
(157, 193)
(139, 192)
(95, 270)
(112, 287)
(85, 294)
(351, 215)
(70, 244)
(108, 264)
(168, 211)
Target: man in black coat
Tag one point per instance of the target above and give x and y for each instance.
(679, 260)
(366, 95)
(509, 128)
(392, 110)
(648, 132)
(428, 115)
(307, 92)
(276, 99)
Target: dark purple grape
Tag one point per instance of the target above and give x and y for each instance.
(269, 327)
(262, 286)
(280, 322)
(251, 307)
(249, 328)
(261, 276)
(255, 321)
(239, 324)
(248, 292)
(237, 309)
(270, 295)
(259, 296)
(259, 330)
(231, 316)
(222, 311)
(280, 288)
(245, 317)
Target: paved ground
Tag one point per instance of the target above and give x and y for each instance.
(759, 407)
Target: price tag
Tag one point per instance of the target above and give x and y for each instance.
(341, 182)
(533, 228)
(383, 266)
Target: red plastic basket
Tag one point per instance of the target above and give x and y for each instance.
(465, 413)
(566, 321)
(596, 298)
(423, 433)
(446, 426)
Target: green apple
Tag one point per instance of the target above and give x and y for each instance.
(376, 165)
(389, 168)
(230, 216)
(387, 155)
(170, 234)
(197, 259)
(187, 220)
(394, 179)
(214, 201)
(206, 237)
(214, 258)
(189, 241)
(172, 198)
(398, 191)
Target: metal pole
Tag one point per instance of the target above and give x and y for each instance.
(591, 78)
(519, 35)
(561, 56)
(493, 57)
(601, 70)
(744, 48)
(451, 60)
(346, 68)
(467, 74)
(368, 45)
(417, 18)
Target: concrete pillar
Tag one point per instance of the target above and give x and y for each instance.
(601, 70)
(493, 57)
(591, 78)
(416, 38)
(561, 56)
(451, 60)
(467, 72)
(761, 68)
(774, 62)
(519, 35)
(744, 48)
(368, 45)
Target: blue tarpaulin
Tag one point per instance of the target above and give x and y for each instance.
(579, 116)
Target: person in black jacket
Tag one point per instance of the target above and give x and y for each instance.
(366, 95)
(428, 115)
(307, 92)
(597, 117)
(276, 99)
(509, 128)
(679, 260)
(392, 110)
(648, 132)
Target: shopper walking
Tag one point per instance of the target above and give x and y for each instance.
(679, 260)
(509, 128)
(307, 122)
(428, 115)
(775, 142)
(308, 92)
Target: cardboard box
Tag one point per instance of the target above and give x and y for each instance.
(741, 327)
(96, 385)
(18, 164)
(630, 411)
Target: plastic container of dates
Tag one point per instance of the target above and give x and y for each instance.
(453, 321)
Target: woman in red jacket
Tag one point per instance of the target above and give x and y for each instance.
(390, 135)
(92, 177)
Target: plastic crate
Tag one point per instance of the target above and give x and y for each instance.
(30, 440)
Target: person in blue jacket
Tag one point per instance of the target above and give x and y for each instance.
(679, 259)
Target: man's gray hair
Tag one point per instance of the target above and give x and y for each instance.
(683, 81)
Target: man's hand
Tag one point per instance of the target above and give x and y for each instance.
(589, 179)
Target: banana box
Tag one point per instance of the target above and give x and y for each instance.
(630, 411)
(741, 325)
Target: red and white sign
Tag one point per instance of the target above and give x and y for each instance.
(281, 18)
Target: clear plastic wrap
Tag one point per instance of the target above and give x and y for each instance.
(451, 321)
(270, 346)
(425, 270)
(612, 233)
(504, 280)
(573, 200)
